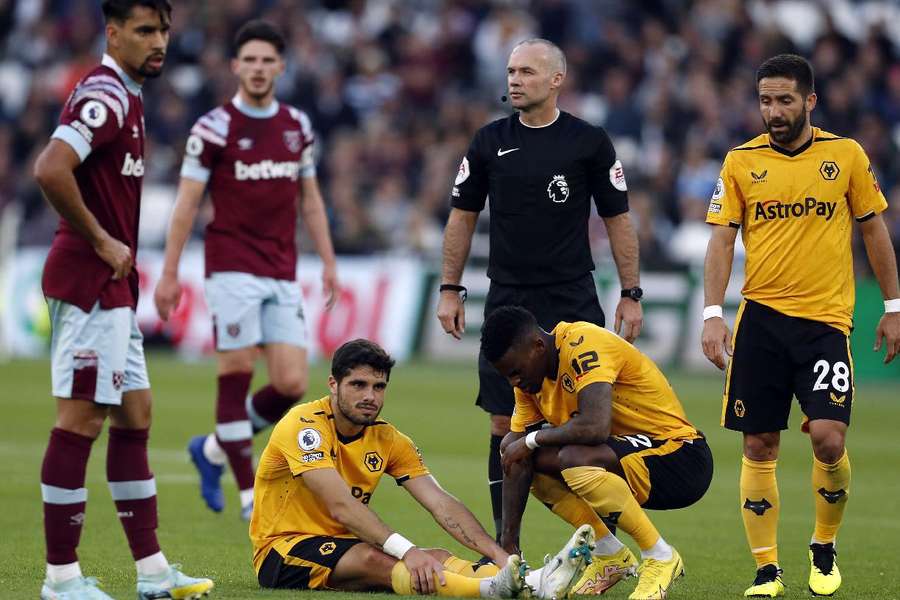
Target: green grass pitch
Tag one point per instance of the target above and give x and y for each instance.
(433, 404)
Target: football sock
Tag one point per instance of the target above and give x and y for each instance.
(133, 488)
(495, 482)
(61, 573)
(267, 406)
(457, 585)
(759, 509)
(155, 564)
(606, 545)
(609, 495)
(661, 550)
(64, 496)
(831, 488)
(461, 566)
(573, 510)
(213, 451)
(233, 430)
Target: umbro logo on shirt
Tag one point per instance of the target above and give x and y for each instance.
(501, 152)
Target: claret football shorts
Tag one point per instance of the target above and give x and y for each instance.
(95, 356)
(248, 310)
(777, 357)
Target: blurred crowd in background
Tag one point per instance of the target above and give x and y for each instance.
(396, 88)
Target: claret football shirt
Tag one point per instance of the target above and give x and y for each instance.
(252, 160)
(103, 122)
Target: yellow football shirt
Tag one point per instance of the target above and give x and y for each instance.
(642, 399)
(795, 211)
(305, 439)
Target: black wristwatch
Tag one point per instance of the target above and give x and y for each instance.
(452, 287)
(634, 293)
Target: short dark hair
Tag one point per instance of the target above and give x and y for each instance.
(359, 353)
(120, 10)
(257, 29)
(789, 66)
(503, 329)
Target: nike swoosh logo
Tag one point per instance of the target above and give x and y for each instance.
(502, 152)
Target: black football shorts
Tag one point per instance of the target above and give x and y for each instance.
(777, 357)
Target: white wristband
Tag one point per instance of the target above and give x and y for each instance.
(713, 311)
(397, 546)
(531, 440)
(892, 306)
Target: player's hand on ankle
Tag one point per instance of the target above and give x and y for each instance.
(422, 570)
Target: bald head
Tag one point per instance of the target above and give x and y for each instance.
(548, 52)
(534, 76)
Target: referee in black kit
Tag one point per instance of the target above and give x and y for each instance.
(540, 167)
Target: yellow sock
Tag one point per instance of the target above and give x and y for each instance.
(609, 495)
(759, 509)
(461, 566)
(831, 487)
(565, 504)
(457, 585)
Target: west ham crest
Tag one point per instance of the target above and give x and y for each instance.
(292, 140)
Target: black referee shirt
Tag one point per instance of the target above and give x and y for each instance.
(540, 181)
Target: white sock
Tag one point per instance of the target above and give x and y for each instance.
(608, 544)
(151, 566)
(660, 550)
(813, 540)
(484, 587)
(213, 451)
(60, 573)
(246, 497)
(533, 578)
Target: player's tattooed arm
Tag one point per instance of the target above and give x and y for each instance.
(454, 517)
(589, 426)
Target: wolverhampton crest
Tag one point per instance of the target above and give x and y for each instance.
(373, 461)
(327, 548)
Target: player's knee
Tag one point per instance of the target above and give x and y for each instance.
(81, 417)
(829, 448)
(374, 560)
(571, 456)
(292, 386)
(89, 427)
(761, 446)
(499, 425)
